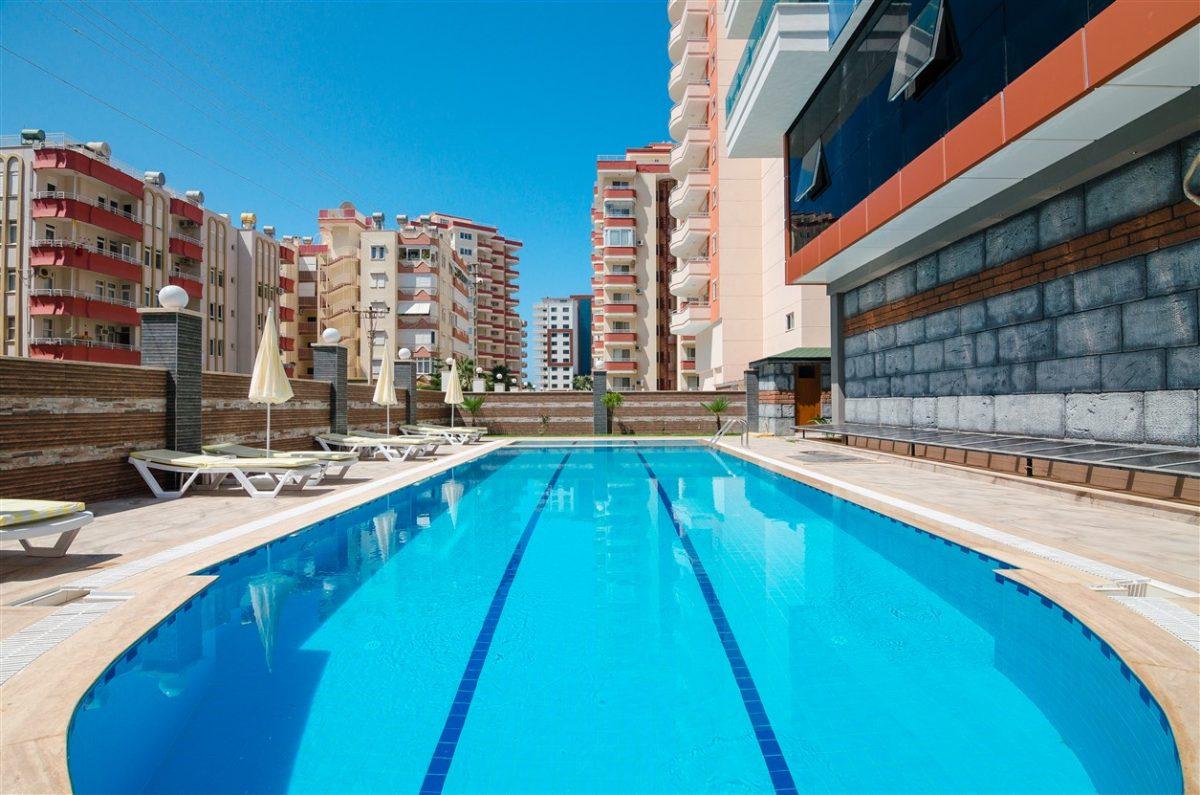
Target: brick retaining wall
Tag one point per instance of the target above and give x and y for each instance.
(227, 415)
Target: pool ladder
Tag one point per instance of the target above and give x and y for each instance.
(730, 425)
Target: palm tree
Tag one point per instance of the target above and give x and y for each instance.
(718, 406)
(473, 404)
(612, 402)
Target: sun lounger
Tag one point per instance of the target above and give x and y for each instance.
(430, 443)
(22, 520)
(453, 435)
(393, 448)
(334, 464)
(210, 471)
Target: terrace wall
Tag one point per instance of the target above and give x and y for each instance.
(1077, 318)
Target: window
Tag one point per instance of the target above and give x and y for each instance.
(146, 257)
(126, 293)
(424, 282)
(466, 236)
(379, 306)
(158, 260)
(146, 297)
(212, 311)
(50, 232)
(926, 48)
(789, 321)
(622, 236)
(10, 281)
(211, 343)
(11, 237)
(466, 252)
(10, 331)
(220, 312)
(379, 279)
(378, 252)
(99, 289)
(424, 366)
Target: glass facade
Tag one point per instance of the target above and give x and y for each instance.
(865, 138)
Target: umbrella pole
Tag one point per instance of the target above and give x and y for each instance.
(268, 427)
(388, 421)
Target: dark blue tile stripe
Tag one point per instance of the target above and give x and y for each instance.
(777, 766)
(443, 753)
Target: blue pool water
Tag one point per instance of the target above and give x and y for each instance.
(617, 619)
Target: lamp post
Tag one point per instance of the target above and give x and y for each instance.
(372, 317)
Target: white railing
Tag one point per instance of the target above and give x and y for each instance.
(176, 271)
(118, 346)
(59, 242)
(728, 426)
(188, 237)
(56, 293)
(89, 200)
(59, 140)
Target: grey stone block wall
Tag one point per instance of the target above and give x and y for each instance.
(173, 340)
(599, 413)
(751, 377)
(329, 364)
(1109, 353)
(406, 379)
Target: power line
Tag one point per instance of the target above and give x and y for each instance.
(150, 127)
(199, 84)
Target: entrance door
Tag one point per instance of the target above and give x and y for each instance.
(808, 393)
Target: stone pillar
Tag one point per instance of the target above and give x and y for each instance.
(329, 364)
(752, 400)
(599, 413)
(172, 339)
(406, 379)
(478, 385)
(837, 360)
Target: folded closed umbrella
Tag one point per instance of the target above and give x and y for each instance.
(385, 389)
(454, 395)
(269, 382)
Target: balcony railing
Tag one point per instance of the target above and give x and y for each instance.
(62, 194)
(59, 242)
(56, 293)
(115, 346)
(179, 233)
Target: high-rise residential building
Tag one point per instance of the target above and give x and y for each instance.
(438, 285)
(733, 306)
(633, 339)
(88, 240)
(995, 196)
(561, 349)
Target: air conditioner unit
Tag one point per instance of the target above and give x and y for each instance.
(641, 242)
(43, 273)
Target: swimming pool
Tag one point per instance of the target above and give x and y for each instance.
(617, 619)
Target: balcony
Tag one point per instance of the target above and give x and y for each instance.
(689, 238)
(620, 310)
(72, 303)
(287, 254)
(691, 152)
(77, 350)
(182, 244)
(192, 283)
(287, 344)
(687, 365)
(60, 204)
(691, 110)
(74, 160)
(286, 314)
(187, 210)
(620, 281)
(287, 285)
(691, 318)
(620, 253)
(621, 366)
(690, 277)
(692, 67)
(689, 194)
(76, 254)
(688, 25)
(620, 338)
(615, 164)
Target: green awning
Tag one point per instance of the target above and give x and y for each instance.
(795, 355)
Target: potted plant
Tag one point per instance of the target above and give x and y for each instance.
(472, 404)
(718, 406)
(612, 402)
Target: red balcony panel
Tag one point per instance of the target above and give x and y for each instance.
(621, 278)
(82, 211)
(312, 249)
(73, 160)
(185, 248)
(290, 369)
(190, 284)
(287, 314)
(623, 223)
(620, 336)
(287, 344)
(83, 306)
(185, 209)
(617, 309)
(288, 285)
(620, 251)
(687, 365)
(620, 367)
(286, 254)
(620, 193)
(84, 259)
(80, 351)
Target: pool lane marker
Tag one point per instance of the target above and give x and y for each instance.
(772, 753)
(443, 753)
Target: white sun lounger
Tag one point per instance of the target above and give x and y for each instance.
(210, 471)
(453, 435)
(335, 465)
(429, 443)
(22, 520)
(392, 448)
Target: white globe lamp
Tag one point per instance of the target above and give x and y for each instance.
(405, 354)
(331, 336)
(173, 297)
(449, 360)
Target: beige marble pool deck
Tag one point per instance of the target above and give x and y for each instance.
(128, 535)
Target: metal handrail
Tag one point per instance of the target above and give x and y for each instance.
(59, 242)
(88, 200)
(120, 346)
(728, 426)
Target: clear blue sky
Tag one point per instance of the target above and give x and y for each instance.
(493, 110)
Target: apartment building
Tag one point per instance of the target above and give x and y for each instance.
(438, 285)
(88, 240)
(632, 337)
(733, 307)
(1001, 207)
(562, 342)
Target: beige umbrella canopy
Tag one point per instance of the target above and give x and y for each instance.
(385, 389)
(269, 383)
(454, 395)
